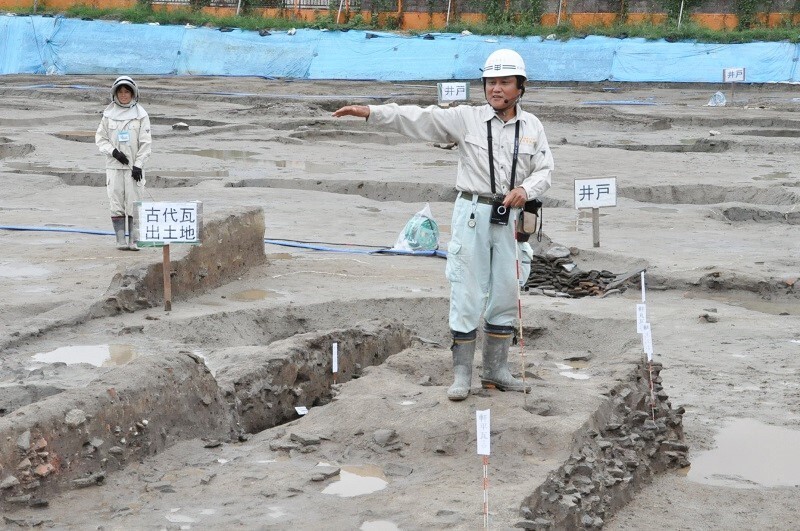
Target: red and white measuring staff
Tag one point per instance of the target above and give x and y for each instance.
(643, 327)
(483, 438)
(520, 337)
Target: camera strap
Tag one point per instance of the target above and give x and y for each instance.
(491, 156)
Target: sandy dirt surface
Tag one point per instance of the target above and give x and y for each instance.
(707, 207)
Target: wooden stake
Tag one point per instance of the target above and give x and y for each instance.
(596, 227)
(485, 491)
(167, 279)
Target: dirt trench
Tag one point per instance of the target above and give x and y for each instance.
(56, 440)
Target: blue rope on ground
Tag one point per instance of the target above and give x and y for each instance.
(387, 250)
(57, 229)
(287, 243)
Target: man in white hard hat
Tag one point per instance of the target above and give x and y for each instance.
(504, 161)
(123, 136)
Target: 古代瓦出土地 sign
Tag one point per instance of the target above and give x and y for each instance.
(165, 223)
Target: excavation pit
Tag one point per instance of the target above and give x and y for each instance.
(185, 466)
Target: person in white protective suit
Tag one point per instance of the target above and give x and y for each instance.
(123, 136)
(504, 161)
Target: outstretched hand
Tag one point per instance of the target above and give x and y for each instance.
(360, 111)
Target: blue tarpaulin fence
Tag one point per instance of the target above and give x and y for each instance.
(57, 45)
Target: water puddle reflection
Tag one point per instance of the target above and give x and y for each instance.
(770, 307)
(748, 454)
(357, 480)
(379, 525)
(97, 355)
(221, 154)
(310, 167)
(251, 295)
(571, 370)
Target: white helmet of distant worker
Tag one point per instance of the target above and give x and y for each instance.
(125, 81)
(505, 62)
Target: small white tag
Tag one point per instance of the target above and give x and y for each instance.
(301, 410)
(647, 341)
(123, 137)
(641, 317)
(483, 431)
(336, 357)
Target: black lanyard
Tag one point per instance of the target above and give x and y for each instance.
(491, 156)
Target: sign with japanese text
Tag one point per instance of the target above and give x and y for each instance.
(641, 317)
(165, 223)
(733, 75)
(452, 91)
(483, 431)
(595, 193)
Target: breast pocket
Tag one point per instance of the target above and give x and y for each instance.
(476, 154)
(528, 160)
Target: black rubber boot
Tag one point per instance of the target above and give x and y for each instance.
(497, 341)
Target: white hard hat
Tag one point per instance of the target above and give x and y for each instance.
(505, 62)
(125, 81)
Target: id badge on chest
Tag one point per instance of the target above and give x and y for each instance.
(123, 137)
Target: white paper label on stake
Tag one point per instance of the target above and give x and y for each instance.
(301, 410)
(482, 418)
(647, 342)
(336, 357)
(641, 317)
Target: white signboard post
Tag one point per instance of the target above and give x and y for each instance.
(452, 91)
(483, 436)
(335, 361)
(594, 194)
(163, 223)
(733, 76)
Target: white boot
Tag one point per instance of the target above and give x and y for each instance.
(134, 235)
(119, 231)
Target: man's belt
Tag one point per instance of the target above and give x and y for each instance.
(486, 199)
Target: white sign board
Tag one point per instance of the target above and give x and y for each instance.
(733, 75)
(595, 193)
(449, 92)
(335, 357)
(483, 431)
(165, 223)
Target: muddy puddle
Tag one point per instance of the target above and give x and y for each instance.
(97, 355)
(252, 295)
(755, 304)
(222, 154)
(308, 166)
(357, 480)
(573, 370)
(379, 525)
(749, 454)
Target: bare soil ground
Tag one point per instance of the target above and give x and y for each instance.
(707, 206)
